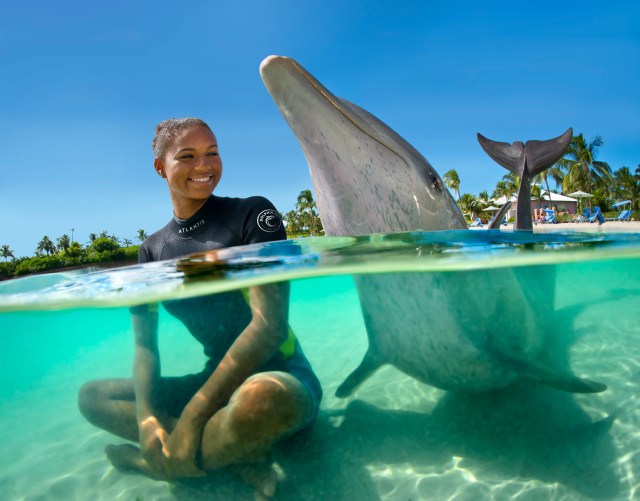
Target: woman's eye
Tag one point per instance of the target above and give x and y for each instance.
(188, 155)
(212, 154)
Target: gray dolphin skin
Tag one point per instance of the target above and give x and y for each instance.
(408, 192)
(367, 179)
(526, 161)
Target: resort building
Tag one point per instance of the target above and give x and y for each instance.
(561, 203)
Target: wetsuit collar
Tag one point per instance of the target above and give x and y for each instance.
(187, 228)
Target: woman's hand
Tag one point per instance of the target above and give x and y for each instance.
(153, 437)
(180, 449)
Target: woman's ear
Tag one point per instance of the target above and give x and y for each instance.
(158, 165)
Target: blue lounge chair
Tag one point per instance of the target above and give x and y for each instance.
(625, 215)
(586, 214)
(626, 212)
(550, 217)
(476, 224)
(503, 222)
(596, 216)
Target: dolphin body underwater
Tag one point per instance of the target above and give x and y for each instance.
(367, 179)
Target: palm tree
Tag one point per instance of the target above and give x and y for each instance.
(507, 186)
(292, 224)
(306, 210)
(538, 194)
(142, 235)
(555, 172)
(582, 169)
(627, 185)
(512, 181)
(6, 252)
(64, 242)
(127, 242)
(469, 204)
(92, 238)
(452, 181)
(45, 245)
(484, 196)
(501, 190)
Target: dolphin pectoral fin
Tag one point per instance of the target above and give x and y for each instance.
(509, 156)
(370, 364)
(539, 373)
(495, 224)
(543, 154)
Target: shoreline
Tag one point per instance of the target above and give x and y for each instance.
(106, 265)
(606, 227)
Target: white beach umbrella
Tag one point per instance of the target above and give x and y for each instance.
(580, 195)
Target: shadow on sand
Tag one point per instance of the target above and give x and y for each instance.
(524, 433)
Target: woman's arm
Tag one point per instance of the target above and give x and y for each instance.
(254, 346)
(146, 374)
(146, 365)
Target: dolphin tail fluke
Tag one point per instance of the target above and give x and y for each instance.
(540, 155)
(370, 364)
(509, 156)
(542, 374)
(495, 224)
(543, 154)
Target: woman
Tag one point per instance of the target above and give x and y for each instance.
(257, 386)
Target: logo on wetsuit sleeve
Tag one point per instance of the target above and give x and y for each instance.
(269, 220)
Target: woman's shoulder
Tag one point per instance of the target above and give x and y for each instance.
(247, 203)
(237, 208)
(257, 216)
(152, 246)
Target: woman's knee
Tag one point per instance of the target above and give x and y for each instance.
(275, 397)
(88, 398)
(94, 396)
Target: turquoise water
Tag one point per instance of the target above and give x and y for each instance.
(395, 437)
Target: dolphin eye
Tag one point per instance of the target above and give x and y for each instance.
(435, 182)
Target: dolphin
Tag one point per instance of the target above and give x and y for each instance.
(526, 160)
(368, 179)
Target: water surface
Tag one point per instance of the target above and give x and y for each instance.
(395, 438)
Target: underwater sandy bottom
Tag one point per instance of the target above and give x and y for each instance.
(394, 439)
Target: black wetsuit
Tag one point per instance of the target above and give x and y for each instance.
(217, 320)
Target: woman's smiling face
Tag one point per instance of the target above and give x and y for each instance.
(192, 167)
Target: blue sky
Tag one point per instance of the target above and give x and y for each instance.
(84, 83)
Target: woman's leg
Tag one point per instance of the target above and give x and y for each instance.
(110, 404)
(267, 407)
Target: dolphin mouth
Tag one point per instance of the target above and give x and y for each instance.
(272, 65)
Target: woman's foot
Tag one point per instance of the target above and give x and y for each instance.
(263, 477)
(126, 458)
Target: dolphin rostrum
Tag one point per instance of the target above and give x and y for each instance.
(526, 161)
(368, 179)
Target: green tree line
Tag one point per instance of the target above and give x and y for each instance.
(65, 253)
